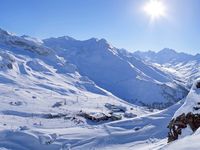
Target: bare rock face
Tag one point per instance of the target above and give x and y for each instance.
(181, 122)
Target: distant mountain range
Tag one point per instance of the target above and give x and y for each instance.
(182, 66)
(166, 56)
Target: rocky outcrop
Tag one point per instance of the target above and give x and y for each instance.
(187, 118)
(181, 122)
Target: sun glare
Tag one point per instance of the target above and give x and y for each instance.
(155, 8)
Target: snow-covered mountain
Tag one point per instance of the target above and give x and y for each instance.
(124, 76)
(183, 67)
(164, 56)
(66, 94)
(36, 81)
(41, 90)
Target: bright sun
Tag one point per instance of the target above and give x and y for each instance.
(155, 8)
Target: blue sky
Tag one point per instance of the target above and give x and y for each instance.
(122, 22)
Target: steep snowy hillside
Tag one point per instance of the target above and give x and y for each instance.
(146, 68)
(127, 78)
(184, 72)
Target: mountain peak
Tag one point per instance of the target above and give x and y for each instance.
(67, 38)
(4, 32)
(103, 40)
(98, 40)
(32, 39)
(167, 50)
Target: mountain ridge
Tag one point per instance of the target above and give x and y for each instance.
(102, 57)
(165, 55)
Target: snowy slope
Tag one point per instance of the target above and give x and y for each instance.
(190, 142)
(185, 72)
(142, 133)
(191, 101)
(114, 71)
